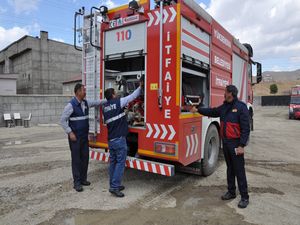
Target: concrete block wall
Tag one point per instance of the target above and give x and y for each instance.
(44, 108)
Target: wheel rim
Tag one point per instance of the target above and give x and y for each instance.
(212, 150)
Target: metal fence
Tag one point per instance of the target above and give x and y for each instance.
(275, 100)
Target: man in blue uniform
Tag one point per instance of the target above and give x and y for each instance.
(235, 130)
(117, 126)
(75, 122)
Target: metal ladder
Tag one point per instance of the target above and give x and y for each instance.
(91, 72)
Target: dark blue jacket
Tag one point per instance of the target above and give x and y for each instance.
(115, 118)
(79, 120)
(234, 119)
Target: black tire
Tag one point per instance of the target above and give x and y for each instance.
(211, 151)
(132, 144)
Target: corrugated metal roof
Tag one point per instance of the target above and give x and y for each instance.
(73, 79)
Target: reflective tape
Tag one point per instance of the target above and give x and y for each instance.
(79, 118)
(115, 118)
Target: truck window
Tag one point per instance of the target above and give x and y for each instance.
(295, 100)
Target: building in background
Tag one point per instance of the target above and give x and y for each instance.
(68, 85)
(42, 64)
(8, 84)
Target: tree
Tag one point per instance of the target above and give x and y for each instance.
(273, 88)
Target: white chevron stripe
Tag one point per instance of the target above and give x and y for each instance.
(173, 132)
(188, 146)
(166, 15)
(146, 166)
(165, 131)
(162, 170)
(131, 164)
(197, 142)
(151, 19)
(193, 145)
(138, 165)
(150, 130)
(173, 11)
(154, 18)
(157, 18)
(157, 131)
(153, 168)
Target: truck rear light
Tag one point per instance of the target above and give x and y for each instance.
(165, 148)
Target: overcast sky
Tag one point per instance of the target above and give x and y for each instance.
(272, 27)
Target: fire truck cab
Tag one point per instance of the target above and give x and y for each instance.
(185, 57)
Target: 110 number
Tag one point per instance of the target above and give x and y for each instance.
(123, 35)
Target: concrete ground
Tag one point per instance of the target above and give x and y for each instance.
(36, 185)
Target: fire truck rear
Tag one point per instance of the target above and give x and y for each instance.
(294, 107)
(185, 57)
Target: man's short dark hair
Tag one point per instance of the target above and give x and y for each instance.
(108, 93)
(233, 90)
(77, 87)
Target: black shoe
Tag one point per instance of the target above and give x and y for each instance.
(78, 188)
(117, 193)
(121, 188)
(243, 203)
(228, 196)
(86, 183)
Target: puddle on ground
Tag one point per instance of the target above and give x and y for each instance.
(12, 143)
(194, 205)
(16, 142)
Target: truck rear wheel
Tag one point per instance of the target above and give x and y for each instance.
(211, 151)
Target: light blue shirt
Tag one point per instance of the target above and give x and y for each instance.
(68, 110)
(131, 97)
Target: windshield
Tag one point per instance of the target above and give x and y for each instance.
(295, 100)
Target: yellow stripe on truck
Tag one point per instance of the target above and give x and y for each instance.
(152, 153)
(98, 145)
(122, 7)
(189, 115)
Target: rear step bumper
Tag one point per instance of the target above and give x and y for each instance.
(136, 163)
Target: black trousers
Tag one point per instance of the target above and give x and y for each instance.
(235, 168)
(80, 159)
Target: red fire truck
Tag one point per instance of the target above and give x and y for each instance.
(294, 107)
(186, 58)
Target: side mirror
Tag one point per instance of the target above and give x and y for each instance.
(258, 72)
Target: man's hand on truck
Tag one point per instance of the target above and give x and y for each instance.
(194, 110)
(142, 81)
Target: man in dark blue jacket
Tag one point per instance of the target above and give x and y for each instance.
(117, 126)
(75, 122)
(235, 130)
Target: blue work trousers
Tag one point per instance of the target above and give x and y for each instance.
(80, 159)
(118, 153)
(235, 169)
